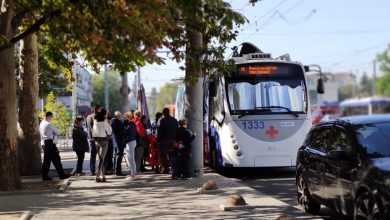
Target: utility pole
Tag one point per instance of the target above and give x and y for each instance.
(138, 86)
(373, 77)
(106, 101)
(124, 92)
(138, 77)
(74, 91)
(194, 99)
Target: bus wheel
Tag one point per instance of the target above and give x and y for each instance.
(214, 160)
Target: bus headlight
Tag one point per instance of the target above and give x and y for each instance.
(234, 141)
(236, 147)
(232, 136)
(239, 154)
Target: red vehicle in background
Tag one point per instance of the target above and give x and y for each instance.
(325, 111)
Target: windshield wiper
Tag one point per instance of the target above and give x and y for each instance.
(280, 107)
(252, 112)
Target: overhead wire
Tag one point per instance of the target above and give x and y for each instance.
(281, 16)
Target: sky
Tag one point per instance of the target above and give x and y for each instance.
(340, 36)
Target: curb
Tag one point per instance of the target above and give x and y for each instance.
(26, 215)
(213, 191)
(73, 172)
(64, 186)
(234, 208)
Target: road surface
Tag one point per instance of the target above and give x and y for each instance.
(278, 183)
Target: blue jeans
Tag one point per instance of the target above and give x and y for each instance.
(130, 148)
(92, 160)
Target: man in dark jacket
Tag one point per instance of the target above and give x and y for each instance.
(167, 128)
(118, 130)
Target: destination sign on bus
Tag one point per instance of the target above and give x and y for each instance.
(267, 69)
(258, 70)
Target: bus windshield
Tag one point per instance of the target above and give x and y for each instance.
(244, 96)
(267, 88)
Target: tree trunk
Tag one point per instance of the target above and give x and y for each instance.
(194, 101)
(28, 140)
(9, 171)
(124, 93)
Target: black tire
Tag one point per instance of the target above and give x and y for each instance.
(213, 154)
(304, 197)
(366, 207)
(214, 160)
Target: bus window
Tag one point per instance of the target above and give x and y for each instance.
(245, 96)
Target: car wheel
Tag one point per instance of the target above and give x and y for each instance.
(304, 197)
(366, 207)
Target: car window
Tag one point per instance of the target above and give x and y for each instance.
(340, 140)
(320, 138)
(374, 139)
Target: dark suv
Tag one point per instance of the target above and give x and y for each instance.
(345, 164)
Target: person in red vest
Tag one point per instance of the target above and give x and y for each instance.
(141, 136)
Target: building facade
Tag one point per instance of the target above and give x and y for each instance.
(332, 83)
(79, 99)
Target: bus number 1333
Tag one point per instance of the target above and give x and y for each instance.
(253, 124)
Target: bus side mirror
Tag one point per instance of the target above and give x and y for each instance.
(212, 89)
(320, 86)
(307, 68)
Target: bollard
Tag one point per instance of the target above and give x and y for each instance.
(209, 187)
(235, 202)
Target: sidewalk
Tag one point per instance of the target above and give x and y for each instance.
(152, 196)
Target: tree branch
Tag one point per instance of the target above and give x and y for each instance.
(17, 19)
(33, 28)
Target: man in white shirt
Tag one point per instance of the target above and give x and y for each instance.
(49, 139)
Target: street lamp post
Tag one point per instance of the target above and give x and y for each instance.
(106, 101)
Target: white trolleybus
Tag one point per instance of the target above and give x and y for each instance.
(259, 115)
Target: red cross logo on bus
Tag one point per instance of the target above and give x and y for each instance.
(272, 132)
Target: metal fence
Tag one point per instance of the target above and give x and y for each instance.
(65, 143)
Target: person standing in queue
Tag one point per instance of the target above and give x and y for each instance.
(49, 138)
(80, 143)
(91, 140)
(156, 151)
(167, 128)
(129, 138)
(146, 142)
(184, 139)
(141, 136)
(108, 164)
(154, 124)
(118, 130)
(101, 132)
